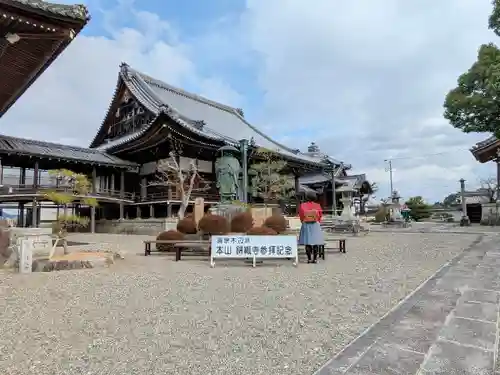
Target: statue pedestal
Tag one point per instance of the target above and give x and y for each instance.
(347, 214)
(228, 210)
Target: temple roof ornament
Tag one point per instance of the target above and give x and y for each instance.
(124, 71)
(313, 148)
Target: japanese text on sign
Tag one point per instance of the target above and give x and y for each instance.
(254, 246)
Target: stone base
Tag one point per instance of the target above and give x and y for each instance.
(136, 226)
(464, 221)
(74, 261)
(227, 210)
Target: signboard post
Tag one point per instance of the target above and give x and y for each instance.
(245, 247)
(25, 255)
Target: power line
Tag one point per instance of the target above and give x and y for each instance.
(425, 155)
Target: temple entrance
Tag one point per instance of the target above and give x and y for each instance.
(474, 212)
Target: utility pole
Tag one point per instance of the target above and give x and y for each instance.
(389, 169)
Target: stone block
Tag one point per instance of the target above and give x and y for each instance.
(477, 310)
(42, 239)
(449, 358)
(387, 360)
(475, 295)
(74, 261)
(470, 332)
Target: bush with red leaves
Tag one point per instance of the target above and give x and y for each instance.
(187, 226)
(241, 222)
(214, 225)
(277, 223)
(169, 235)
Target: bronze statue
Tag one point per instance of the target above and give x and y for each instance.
(227, 170)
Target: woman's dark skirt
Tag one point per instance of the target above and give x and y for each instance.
(311, 234)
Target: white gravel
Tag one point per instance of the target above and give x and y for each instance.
(155, 316)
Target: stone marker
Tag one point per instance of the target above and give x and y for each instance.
(199, 209)
(25, 255)
(42, 239)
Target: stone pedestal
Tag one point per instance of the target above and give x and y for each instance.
(395, 208)
(347, 214)
(228, 210)
(42, 239)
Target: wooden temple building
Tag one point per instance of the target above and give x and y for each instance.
(484, 152)
(146, 120)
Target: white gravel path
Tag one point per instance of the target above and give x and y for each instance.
(154, 316)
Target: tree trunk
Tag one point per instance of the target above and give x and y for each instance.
(182, 210)
(65, 246)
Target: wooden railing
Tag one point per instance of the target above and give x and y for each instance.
(29, 189)
(176, 196)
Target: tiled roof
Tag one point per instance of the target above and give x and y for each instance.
(348, 182)
(208, 118)
(47, 149)
(487, 142)
(77, 12)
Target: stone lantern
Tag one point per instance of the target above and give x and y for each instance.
(396, 207)
(347, 192)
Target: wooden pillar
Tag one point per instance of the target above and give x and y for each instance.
(34, 207)
(297, 194)
(20, 217)
(334, 194)
(112, 183)
(151, 211)
(22, 176)
(169, 199)
(122, 194)
(498, 176)
(138, 213)
(92, 208)
(144, 188)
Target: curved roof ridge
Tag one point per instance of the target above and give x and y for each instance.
(74, 11)
(165, 86)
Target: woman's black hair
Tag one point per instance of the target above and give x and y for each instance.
(310, 196)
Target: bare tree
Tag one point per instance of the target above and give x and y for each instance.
(186, 181)
(489, 185)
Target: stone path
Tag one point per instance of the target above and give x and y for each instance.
(449, 325)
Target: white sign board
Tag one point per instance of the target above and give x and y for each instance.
(25, 255)
(245, 247)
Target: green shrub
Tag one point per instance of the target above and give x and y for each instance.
(381, 215)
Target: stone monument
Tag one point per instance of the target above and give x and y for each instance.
(395, 207)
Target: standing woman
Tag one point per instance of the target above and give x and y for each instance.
(311, 235)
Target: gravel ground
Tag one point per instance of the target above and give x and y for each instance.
(154, 316)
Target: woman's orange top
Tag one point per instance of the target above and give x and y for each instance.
(310, 212)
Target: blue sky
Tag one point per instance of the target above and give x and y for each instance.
(365, 80)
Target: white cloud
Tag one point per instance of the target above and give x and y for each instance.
(370, 79)
(69, 101)
(366, 80)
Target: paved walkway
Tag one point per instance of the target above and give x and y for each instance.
(449, 325)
